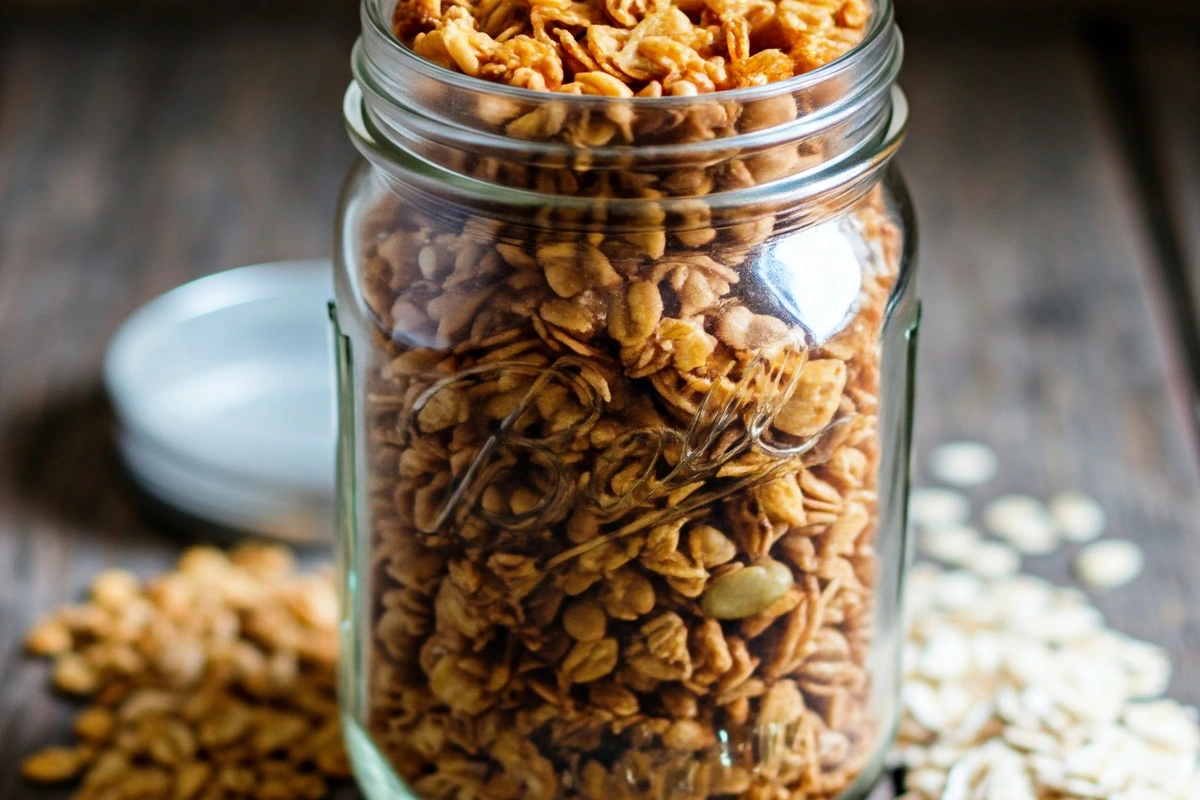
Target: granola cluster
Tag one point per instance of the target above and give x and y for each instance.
(627, 48)
(212, 682)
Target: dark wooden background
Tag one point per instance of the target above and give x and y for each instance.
(1055, 162)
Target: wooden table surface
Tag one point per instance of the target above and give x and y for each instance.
(1056, 174)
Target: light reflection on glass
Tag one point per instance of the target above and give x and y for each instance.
(816, 275)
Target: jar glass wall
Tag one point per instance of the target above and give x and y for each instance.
(624, 434)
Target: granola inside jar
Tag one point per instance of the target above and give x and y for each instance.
(625, 367)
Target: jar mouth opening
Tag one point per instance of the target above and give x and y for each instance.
(378, 97)
(829, 178)
(375, 24)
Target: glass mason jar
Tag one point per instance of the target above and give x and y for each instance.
(625, 388)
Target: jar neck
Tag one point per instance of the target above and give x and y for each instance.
(815, 140)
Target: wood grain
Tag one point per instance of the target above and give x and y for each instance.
(1169, 69)
(133, 158)
(1041, 335)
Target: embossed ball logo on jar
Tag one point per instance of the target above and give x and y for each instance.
(745, 429)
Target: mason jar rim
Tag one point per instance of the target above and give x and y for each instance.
(405, 112)
(378, 32)
(870, 88)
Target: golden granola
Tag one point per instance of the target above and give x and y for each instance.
(622, 517)
(622, 48)
(212, 682)
(621, 505)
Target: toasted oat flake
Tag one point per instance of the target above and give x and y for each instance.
(964, 463)
(1109, 563)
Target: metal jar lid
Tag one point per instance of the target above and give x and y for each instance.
(223, 390)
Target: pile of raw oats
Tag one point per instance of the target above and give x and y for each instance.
(212, 682)
(1014, 688)
(626, 48)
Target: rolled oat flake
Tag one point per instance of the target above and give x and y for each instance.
(1109, 563)
(1079, 518)
(1007, 515)
(954, 544)
(1034, 536)
(964, 463)
(993, 560)
(934, 507)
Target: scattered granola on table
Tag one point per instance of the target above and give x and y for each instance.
(212, 682)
